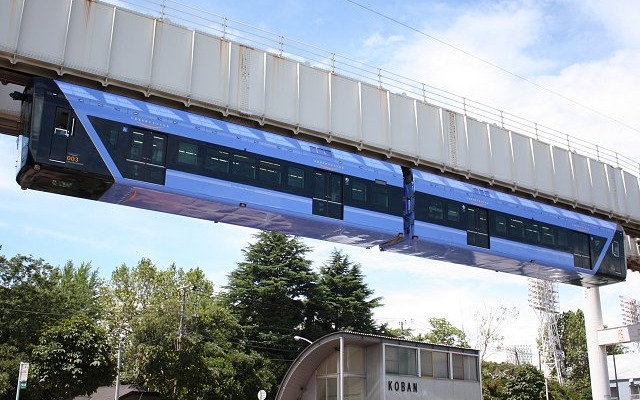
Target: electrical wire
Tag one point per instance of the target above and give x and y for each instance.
(496, 66)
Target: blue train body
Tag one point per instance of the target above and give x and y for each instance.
(88, 143)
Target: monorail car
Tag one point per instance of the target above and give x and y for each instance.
(92, 144)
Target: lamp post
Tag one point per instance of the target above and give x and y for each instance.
(298, 338)
(118, 367)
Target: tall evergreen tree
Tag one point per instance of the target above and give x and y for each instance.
(342, 299)
(267, 293)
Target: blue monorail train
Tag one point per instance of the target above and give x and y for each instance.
(87, 143)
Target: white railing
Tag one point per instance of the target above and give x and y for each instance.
(235, 31)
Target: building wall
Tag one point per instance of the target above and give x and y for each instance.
(413, 388)
(390, 386)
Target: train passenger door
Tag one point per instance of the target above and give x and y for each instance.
(477, 227)
(327, 196)
(64, 124)
(146, 157)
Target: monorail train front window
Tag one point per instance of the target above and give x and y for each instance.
(61, 121)
(615, 248)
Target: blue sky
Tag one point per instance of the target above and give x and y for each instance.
(584, 49)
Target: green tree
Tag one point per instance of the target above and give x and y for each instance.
(267, 293)
(73, 358)
(494, 378)
(526, 383)
(34, 297)
(442, 332)
(342, 300)
(573, 341)
(212, 361)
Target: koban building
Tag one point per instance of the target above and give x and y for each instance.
(355, 366)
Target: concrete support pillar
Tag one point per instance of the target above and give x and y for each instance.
(598, 369)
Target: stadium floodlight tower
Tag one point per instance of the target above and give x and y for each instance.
(543, 298)
(630, 310)
(519, 354)
(630, 313)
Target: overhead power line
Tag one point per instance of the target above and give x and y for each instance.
(496, 66)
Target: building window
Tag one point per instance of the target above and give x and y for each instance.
(440, 364)
(400, 360)
(354, 388)
(465, 367)
(354, 360)
(434, 364)
(327, 388)
(354, 375)
(426, 363)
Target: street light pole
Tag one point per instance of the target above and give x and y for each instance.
(303, 339)
(118, 367)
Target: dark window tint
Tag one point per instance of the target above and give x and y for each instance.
(515, 229)
(270, 172)
(580, 247)
(380, 197)
(217, 161)
(188, 153)
(500, 226)
(295, 177)
(243, 167)
(358, 191)
(436, 210)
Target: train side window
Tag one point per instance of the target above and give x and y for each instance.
(516, 229)
(270, 172)
(243, 167)
(217, 161)
(157, 149)
(187, 153)
(615, 248)
(436, 212)
(546, 236)
(380, 196)
(358, 191)
(137, 143)
(295, 177)
(563, 241)
(532, 233)
(500, 225)
(453, 213)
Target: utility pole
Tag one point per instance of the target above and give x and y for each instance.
(183, 295)
(118, 368)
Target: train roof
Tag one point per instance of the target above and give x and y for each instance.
(482, 196)
(161, 118)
